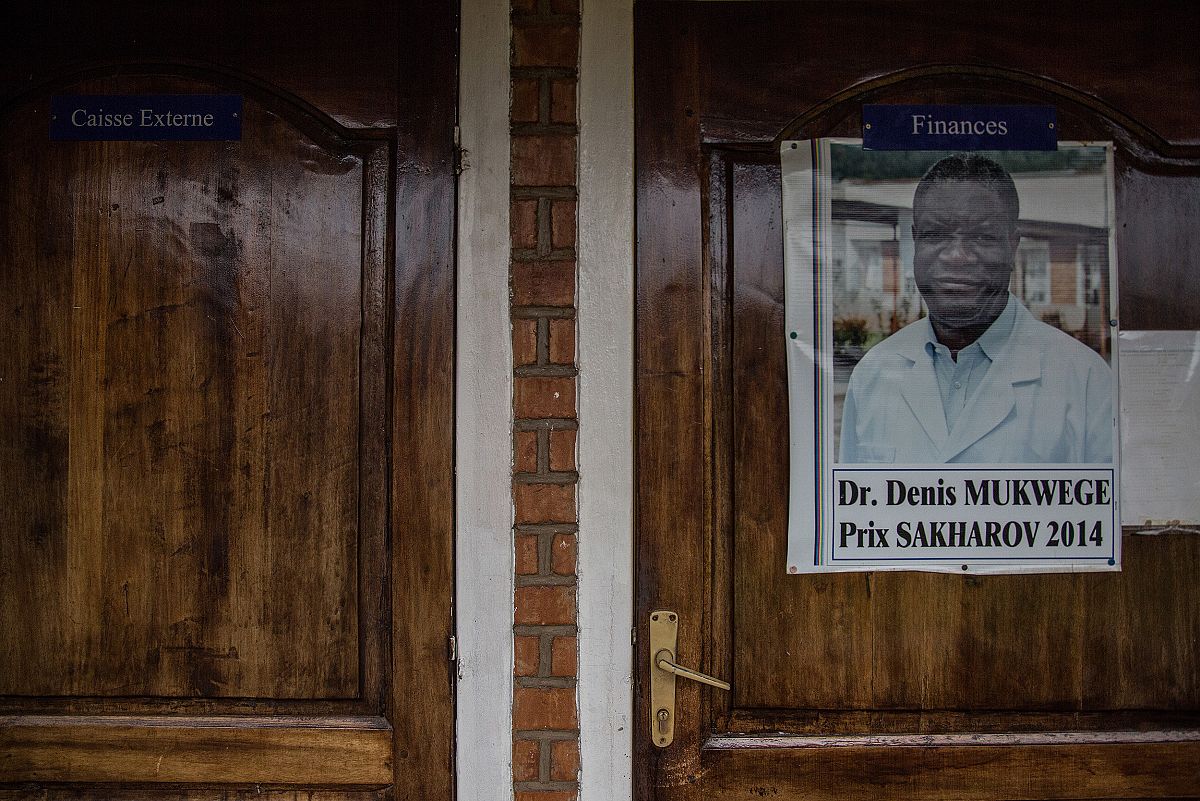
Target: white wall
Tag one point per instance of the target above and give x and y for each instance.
(605, 320)
(483, 413)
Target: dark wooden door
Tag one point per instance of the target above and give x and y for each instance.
(225, 394)
(873, 685)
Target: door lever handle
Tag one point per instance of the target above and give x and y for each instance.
(664, 631)
(663, 660)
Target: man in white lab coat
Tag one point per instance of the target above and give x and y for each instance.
(979, 380)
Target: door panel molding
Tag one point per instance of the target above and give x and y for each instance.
(916, 770)
(201, 750)
(298, 315)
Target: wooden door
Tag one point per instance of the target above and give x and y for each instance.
(874, 685)
(225, 408)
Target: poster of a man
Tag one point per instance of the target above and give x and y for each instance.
(979, 379)
(950, 322)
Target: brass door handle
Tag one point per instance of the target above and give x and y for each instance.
(663, 660)
(664, 631)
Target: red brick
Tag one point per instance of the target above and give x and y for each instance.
(544, 503)
(525, 656)
(545, 45)
(562, 554)
(564, 761)
(544, 606)
(562, 341)
(543, 283)
(562, 100)
(524, 336)
(562, 224)
(541, 708)
(564, 659)
(544, 795)
(526, 99)
(562, 449)
(543, 160)
(526, 760)
(525, 451)
(527, 554)
(539, 396)
(524, 6)
(522, 223)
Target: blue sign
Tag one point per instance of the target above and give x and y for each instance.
(146, 118)
(959, 127)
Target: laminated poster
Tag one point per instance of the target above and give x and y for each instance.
(952, 361)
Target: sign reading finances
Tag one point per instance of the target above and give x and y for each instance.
(959, 127)
(146, 118)
(951, 339)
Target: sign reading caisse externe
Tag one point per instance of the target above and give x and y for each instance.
(146, 118)
(951, 328)
(925, 127)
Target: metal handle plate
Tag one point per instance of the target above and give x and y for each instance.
(664, 632)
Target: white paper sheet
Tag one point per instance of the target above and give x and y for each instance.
(1160, 428)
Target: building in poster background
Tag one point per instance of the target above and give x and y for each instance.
(951, 369)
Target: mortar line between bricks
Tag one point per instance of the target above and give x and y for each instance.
(544, 100)
(552, 580)
(531, 255)
(542, 345)
(551, 528)
(546, 734)
(553, 423)
(545, 657)
(550, 629)
(536, 128)
(526, 19)
(549, 477)
(545, 544)
(538, 72)
(543, 451)
(547, 786)
(545, 766)
(547, 682)
(533, 312)
(542, 243)
(546, 370)
(534, 192)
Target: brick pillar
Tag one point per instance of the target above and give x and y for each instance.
(545, 52)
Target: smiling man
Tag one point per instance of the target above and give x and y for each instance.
(979, 380)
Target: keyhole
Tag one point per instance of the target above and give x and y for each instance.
(663, 717)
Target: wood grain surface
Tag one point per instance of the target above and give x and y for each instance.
(183, 365)
(215, 750)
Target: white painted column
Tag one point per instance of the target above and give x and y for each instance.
(605, 326)
(483, 446)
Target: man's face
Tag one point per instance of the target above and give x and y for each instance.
(964, 250)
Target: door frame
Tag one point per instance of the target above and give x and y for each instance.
(423, 459)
